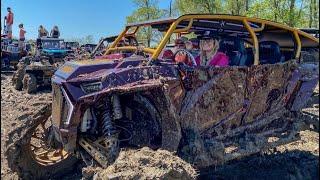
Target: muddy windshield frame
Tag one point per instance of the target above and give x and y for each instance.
(254, 30)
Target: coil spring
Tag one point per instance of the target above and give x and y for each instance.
(104, 112)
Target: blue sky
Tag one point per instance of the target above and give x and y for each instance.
(75, 18)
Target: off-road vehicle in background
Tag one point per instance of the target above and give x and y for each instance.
(208, 115)
(34, 71)
(72, 45)
(72, 50)
(88, 47)
(101, 47)
(86, 50)
(10, 53)
(53, 48)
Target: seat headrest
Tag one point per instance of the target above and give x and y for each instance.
(232, 44)
(269, 52)
(269, 45)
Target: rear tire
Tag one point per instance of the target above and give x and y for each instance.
(30, 83)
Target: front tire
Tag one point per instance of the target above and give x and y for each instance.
(31, 156)
(30, 83)
(17, 79)
(146, 122)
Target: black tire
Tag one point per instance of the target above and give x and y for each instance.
(17, 79)
(30, 83)
(21, 158)
(146, 123)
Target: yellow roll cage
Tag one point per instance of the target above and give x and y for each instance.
(173, 29)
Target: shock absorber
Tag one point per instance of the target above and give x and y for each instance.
(108, 128)
(109, 141)
(117, 113)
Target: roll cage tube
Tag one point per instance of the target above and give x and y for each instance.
(298, 41)
(254, 40)
(132, 48)
(237, 18)
(173, 29)
(97, 47)
(244, 20)
(116, 41)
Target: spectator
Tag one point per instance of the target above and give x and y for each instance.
(209, 55)
(22, 38)
(42, 32)
(179, 44)
(55, 33)
(9, 22)
(192, 48)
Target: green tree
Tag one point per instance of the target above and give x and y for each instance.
(313, 13)
(146, 10)
(84, 40)
(296, 13)
(198, 6)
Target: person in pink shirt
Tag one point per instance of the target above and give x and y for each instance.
(209, 55)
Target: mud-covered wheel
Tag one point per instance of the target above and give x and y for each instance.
(17, 79)
(146, 128)
(30, 83)
(35, 154)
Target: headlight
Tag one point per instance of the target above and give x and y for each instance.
(91, 87)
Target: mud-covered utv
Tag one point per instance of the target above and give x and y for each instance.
(10, 53)
(72, 45)
(99, 50)
(36, 70)
(207, 114)
(53, 48)
(72, 50)
(88, 48)
(33, 72)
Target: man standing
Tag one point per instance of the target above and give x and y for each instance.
(9, 22)
(55, 33)
(21, 37)
(42, 32)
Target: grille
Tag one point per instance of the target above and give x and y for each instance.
(59, 106)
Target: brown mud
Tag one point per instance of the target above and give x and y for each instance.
(297, 160)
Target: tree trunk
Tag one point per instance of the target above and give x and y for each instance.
(275, 7)
(315, 13)
(310, 13)
(149, 30)
(247, 5)
(207, 7)
(291, 13)
(300, 10)
(238, 7)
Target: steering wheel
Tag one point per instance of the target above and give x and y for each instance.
(185, 57)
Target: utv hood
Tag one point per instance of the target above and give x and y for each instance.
(85, 68)
(81, 77)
